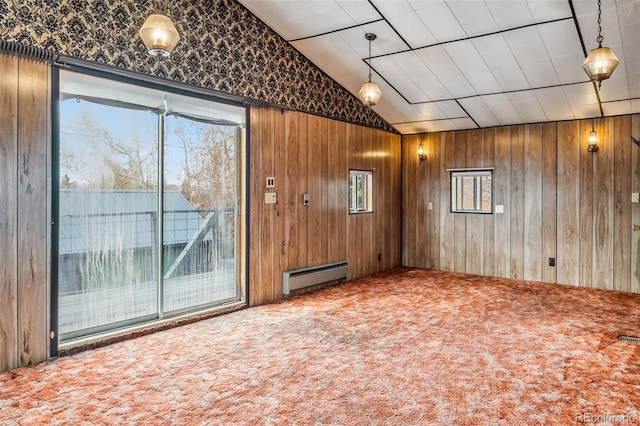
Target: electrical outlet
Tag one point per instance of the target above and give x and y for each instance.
(430, 205)
(271, 182)
(552, 261)
(635, 197)
(269, 197)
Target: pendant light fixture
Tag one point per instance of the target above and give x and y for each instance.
(601, 62)
(159, 35)
(369, 93)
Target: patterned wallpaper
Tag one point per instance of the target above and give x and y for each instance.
(222, 47)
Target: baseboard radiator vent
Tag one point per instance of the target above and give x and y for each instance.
(307, 277)
(629, 339)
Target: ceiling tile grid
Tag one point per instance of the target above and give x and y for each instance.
(463, 64)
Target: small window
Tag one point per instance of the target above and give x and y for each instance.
(360, 191)
(471, 191)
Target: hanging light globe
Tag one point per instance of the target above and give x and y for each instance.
(600, 64)
(369, 93)
(159, 35)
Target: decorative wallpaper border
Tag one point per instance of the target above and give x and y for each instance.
(224, 47)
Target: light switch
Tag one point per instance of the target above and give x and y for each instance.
(305, 199)
(269, 197)
(499, 208)
(635, 197)
(430, 205)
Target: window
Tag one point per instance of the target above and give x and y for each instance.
(360, 191)
(471, 191)
(148, 194)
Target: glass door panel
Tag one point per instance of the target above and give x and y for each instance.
(199, 214)
(107, 232)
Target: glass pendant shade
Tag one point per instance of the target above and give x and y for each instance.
(159, 35)
(369, 93)
(600, 64)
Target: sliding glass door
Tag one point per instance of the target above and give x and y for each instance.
(148, 204)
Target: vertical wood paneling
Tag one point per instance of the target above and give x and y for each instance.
(635, 208)
(279, 209)
(585, 212)
(368, 247)
(603, 207)
(516, 212)
(622, 204)
(559, 200)
(568, 237)
(475, 222)
(256, 203)
(396, 198)
(33, 135)
(549, 200)
(533, 169)
(434, 198)
(316, 221)
(460, 220)
(422, 204)
(501, 188)
(8, 212)
(355, 224)
(295, 174)
(267, 225)
(489, 150)
(447, 235)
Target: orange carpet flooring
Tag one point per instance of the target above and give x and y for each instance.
(408, 347)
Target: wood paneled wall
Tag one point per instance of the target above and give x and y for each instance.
(310, 154)
(24, 211)
(560, 201)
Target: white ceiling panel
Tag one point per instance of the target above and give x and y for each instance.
(503, 61)
(527, 106)
(554, 103)
(470, 63)
(617, 108)
(502, 109)
(547, 10)
(503, 65)
(474, 17)
(437, 16)
(403, 18)
(479, 111)
(510, 14)
(298, 19)
(446, 71)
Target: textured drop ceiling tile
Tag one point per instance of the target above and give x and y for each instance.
(454, 124)
(503, 65)
(446, 71)
(403, 18)
(468, 61)
(417, 127)
(617, 108)
(479, 111)
(615, 88)
(502, 109)
(554, 103)
(510, 14)
(297, 19)
(527, 106)
(547, 10)
(474, 17)
(441, 22)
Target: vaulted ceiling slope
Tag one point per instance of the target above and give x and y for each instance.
(466, 64)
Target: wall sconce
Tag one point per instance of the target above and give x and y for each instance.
(422, 155)
(159, 35)
(593, 140)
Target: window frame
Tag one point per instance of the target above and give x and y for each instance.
(367, 195)
(477, 174)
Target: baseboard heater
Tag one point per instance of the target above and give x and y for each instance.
(307, 277)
